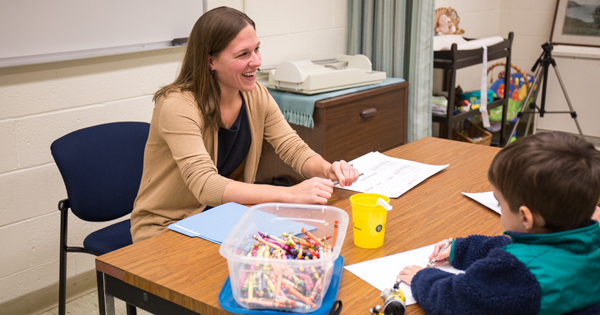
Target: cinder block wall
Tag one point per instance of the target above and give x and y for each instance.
(40, 103)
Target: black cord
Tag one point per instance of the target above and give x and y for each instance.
(336, 308)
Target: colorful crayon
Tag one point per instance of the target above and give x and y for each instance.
(266, 283)
(304, 299)
(305, 231)
(335, 232)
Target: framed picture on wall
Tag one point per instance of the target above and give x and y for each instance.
(577, 22)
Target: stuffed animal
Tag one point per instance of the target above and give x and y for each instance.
(445, 26)
(446, 22)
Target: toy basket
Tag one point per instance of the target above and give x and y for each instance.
(466, 131)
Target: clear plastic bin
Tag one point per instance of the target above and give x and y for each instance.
(254, 280)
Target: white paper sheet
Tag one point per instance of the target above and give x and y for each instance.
(381, 273)
(389, 176)
(485, 198)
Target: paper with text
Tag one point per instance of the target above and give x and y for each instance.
(389, 176)
(485, 198)
(381, 272)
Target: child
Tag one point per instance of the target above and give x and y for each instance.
(547, 186)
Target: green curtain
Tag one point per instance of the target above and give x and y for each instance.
(397, 35)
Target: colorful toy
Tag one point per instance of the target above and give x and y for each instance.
(519, 85)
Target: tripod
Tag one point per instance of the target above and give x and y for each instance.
(543, 61)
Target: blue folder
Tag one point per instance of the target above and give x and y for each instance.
(215, 224)
(212, 225)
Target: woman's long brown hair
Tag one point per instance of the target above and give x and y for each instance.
(211, 34)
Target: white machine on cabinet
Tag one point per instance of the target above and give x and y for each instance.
(306, 77)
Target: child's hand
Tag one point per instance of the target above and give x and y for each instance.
(408, 273)
(443, 256)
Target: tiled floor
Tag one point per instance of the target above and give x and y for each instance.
(88, 305)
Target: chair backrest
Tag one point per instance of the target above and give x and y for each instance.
(101, 167)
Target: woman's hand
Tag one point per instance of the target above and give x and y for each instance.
(407, 274)
(343, 172)
(443, 256)
(340, 171)
(312, 191)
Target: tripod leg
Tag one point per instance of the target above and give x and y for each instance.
(536, 81)
(528, 125)
(573, 113)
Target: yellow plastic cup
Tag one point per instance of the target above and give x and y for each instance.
(368, 219)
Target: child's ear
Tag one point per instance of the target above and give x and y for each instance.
(530, 220)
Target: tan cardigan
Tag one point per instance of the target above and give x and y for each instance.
(180, 177)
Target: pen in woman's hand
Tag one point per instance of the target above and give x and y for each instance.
(336, 182)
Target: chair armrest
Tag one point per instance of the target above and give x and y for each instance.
(64, 205)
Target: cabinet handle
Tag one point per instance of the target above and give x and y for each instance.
(368, 112)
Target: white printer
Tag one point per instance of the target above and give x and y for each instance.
(307, 77)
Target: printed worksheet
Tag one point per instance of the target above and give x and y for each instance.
(487, 199)
(389, 176)
(381, 272)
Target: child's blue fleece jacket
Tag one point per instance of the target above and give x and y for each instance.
(553, 273)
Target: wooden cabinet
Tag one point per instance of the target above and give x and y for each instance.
(347, 127)
(454, 59)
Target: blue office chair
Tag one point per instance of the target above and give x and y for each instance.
(101, 167)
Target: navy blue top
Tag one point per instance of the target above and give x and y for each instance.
(234, 144)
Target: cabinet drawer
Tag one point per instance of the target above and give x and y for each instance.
(376, 123)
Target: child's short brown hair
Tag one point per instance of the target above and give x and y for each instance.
(554, 174)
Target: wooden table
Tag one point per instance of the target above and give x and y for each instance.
(172, 273)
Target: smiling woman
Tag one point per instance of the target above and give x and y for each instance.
(207, 131)
(236, 65)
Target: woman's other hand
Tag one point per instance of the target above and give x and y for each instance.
(343, 172)
(312, 191)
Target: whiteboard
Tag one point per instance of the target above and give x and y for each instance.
(38, 31)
